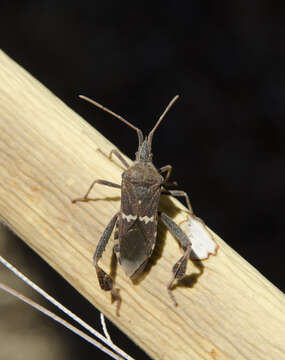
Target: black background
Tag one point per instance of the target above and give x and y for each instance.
(224, 136)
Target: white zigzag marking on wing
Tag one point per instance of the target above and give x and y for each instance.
(146, 219)
(129, 217)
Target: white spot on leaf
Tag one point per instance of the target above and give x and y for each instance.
(203, 243)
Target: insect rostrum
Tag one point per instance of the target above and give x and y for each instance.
(136, 222)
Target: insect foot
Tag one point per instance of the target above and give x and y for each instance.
(178, 272)
(106, 283)
(105, 280)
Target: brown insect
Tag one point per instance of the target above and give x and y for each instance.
(136, 222)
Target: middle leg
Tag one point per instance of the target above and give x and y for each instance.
(98, 181)
(179, 193)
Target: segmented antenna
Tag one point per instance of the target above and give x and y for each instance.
(139, 132)
(161, 118)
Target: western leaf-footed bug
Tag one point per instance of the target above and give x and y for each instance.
(136, 222)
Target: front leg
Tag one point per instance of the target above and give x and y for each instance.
(179, 268)
(105, 280)
(168, 169)
(119, 156)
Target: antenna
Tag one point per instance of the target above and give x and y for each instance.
(161, 117)
(139, 132)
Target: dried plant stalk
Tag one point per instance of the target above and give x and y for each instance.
(48, 157)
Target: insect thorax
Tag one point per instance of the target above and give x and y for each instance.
(141, 187)
(142, 173)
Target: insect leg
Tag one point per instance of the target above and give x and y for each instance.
(119, 156)
(179, 193)
(105, 280)
(168, 169)
(179, 269)
(98, 181)
(116, 250)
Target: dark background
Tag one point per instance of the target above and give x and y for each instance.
(224, 136)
